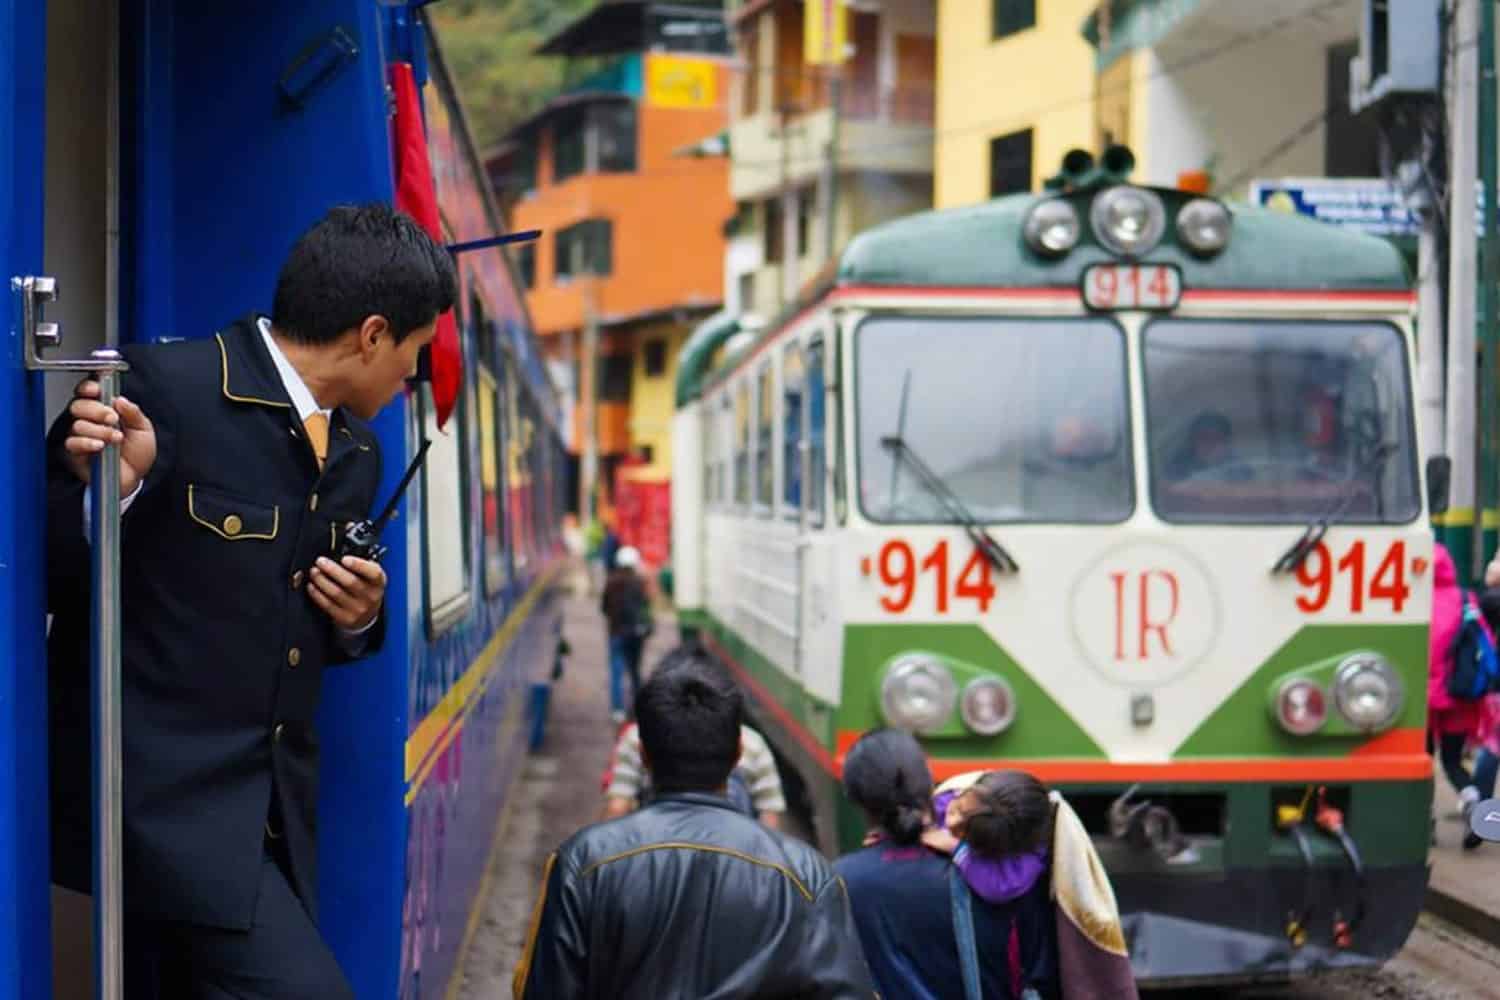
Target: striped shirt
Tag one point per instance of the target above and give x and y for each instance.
(756, 766)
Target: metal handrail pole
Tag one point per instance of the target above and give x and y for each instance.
(104, 484)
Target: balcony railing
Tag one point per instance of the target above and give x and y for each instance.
(805, 91)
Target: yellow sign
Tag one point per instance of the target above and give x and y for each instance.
(681, 82)
(825, 32)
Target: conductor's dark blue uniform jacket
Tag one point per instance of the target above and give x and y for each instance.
(223, 652)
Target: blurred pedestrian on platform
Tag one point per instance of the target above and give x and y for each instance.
(627, 612)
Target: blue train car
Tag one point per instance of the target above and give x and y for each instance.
(158, 157)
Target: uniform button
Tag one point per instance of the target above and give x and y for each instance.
(294, 656)
(312, 503)
(276, 733)
(297, 580)
(232, 525)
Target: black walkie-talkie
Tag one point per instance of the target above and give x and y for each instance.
(361, 539)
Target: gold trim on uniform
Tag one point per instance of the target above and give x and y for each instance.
(224, 358)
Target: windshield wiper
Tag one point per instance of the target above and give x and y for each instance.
(982, 539)
(1292, 558)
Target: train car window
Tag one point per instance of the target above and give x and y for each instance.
(1043, 437)
(710, 453)
(444, 517)
(742, 444)
(491, 488)
(765, 456)
(517, 474)
(793, 400)
(816, 431)
(723, 430)
(1263, 421)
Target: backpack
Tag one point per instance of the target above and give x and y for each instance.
(1476, 666)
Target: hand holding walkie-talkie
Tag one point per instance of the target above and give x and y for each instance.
(361, 539)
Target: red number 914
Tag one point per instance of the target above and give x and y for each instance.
(901, 573)
(1318, 570)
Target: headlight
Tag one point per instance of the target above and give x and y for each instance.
(1052, 227)
(918, 694)
(988, 705)
(1203, 226)
(1367, 692)
(1301, 706)
(1128, 220)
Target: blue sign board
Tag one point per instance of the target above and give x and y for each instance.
(1370, 205)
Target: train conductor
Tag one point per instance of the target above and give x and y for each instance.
(241, 456)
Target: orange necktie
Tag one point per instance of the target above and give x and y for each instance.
(317, 435)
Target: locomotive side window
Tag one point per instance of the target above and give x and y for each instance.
(765, 456)
(1269, 422)
(742, 444)
(816, 428)
(1026, 421)
(793, 386)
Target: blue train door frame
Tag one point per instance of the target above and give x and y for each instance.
(240, 124)
(24, 923)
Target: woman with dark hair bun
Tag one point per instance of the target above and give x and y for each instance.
(900, 892)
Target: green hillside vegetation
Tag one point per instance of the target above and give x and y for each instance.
(490, 46)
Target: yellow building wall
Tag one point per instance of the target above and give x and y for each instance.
(652, 399)
(1041, 78)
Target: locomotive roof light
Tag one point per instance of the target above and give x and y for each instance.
(1052, 227)
(918, 694)
(1301, 706)
(988, 706)
(1367, 692)
(1128, 221)
(1203, 226)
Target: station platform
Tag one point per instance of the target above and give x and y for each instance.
(1464, 887)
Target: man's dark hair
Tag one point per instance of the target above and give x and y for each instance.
(359, 261)
(689, 720)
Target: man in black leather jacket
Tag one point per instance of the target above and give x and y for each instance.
(688, 897)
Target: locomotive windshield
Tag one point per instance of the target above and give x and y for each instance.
(1261, 421)
(1024, 420)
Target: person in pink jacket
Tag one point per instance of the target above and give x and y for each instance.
(1451, 723)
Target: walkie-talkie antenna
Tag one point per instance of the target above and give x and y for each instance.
(411, 471)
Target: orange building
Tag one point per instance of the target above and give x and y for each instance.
(633, 229)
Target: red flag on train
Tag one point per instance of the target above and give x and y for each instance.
(416, 195)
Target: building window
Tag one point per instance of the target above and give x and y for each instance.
(584, 248)
(569, 144)
(655, 356)
(525, 258)
(750, 82)
(1010, 163)
(775, 231)
(1012, 16)
(614, 124)
(614, 378)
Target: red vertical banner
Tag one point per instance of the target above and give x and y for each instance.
(416, 195)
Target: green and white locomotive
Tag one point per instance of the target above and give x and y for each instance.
(1115, 484)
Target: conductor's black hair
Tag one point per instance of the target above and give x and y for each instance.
(360, 261)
